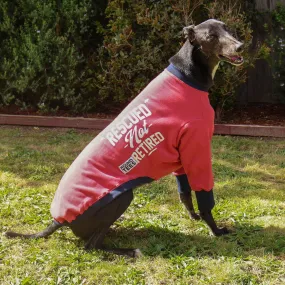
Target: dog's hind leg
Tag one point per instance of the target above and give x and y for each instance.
(184, 191)
(186, 199)
(96, 242)
(93, 225)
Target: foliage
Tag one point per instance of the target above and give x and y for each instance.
(278, 47)
(44, 55)
(249, 194)
(141, 37)
(138, 41)
(228, 77)
(96, 56)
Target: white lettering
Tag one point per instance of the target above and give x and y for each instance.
(111, 139)
(138, 112)
(135, 135)
(139, 152)
(127, 126)
(122, 128)
(154, 139)
(159, 136)
(150, 144)
(116, 133)
(145, 110)
(132, 117)
(142, 146)
(136, 157)
(128, 122)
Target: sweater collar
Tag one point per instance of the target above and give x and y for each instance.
(189, 80)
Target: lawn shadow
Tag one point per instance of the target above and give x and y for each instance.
(246, 240)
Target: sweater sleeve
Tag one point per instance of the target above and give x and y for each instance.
(195, 154)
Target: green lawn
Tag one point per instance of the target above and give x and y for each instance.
(250, 199)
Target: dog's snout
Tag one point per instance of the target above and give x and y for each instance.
(240, 47)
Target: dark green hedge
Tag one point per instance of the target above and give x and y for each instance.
(45, 50)
(86, 55)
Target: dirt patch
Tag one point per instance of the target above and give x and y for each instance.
(264, 114)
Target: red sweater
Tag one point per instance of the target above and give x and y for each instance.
(167, 128)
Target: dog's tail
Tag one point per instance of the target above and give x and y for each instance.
(45, 233)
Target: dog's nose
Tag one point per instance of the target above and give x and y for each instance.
(240, 47)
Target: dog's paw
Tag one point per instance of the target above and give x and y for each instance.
(194, 216)
(221, 231)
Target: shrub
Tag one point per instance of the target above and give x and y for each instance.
(228, 77)
(278, 46)
(142, 35)
(45, 47)
(81, 56)
(139, 39)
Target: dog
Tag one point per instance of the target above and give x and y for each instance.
(166, 129)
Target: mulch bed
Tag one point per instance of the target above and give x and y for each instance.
(263, 114)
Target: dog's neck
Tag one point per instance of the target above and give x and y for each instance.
(195, 65)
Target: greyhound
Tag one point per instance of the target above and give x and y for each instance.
(166, 129)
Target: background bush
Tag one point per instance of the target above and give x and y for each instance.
(45, 47)
(278, 46)
(84, 56)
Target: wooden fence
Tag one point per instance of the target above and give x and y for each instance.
(259, 87)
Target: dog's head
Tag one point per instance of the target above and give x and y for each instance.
(215, 40)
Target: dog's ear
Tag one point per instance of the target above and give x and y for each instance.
(189, 33)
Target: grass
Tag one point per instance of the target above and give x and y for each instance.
(250, 199)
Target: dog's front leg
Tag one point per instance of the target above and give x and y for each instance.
(206, 203)
(208, 218)
(184, 191)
